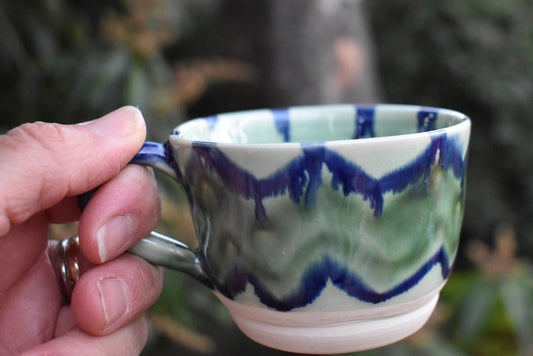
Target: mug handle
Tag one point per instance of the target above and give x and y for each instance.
(156, 248)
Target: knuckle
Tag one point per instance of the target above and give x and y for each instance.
(34, 159)
(46, 135)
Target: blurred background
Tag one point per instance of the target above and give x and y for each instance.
(71, 61)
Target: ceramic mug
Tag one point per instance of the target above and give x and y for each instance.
(323, 229)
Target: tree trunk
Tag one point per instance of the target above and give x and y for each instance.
(306, 52)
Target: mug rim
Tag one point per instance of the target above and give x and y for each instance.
(463, 123)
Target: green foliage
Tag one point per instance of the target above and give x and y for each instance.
(74, 61)
(455, 45)
(495, 317)
(42, 45)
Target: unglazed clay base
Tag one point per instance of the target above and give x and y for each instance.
(331, 332)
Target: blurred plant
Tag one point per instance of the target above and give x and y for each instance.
(145, 29)
(180, 334)
(68, 62)
(191, 80)
(495, 315)
(139, 34)
(61, 65)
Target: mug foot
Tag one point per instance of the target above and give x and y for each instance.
(331, 332)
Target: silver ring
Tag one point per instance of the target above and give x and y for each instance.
(65, 262)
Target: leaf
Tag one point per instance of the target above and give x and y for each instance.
(517, 295)
(182, 335)
(475, 310)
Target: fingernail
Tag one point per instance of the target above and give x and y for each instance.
(114, 298)
(120, 123)
(112, 236)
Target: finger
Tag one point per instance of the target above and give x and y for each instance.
(127, 341)
(20, 249)
(29, 308)
(111, 295)
(65, 211)
(65, 321)
(119, 214)
(43, 163)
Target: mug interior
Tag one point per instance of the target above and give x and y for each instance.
(317, 124)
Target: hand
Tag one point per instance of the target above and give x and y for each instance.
(43, 168)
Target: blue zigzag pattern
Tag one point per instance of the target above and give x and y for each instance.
(302, 177)
(315, 279)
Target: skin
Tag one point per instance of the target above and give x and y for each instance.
(43, 168)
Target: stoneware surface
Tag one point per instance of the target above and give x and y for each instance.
(325, 228)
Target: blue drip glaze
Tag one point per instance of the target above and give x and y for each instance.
(364, 122)
(315, 279)
(211, 121)
(157, 154)
(282, 121)
(427, 120)
(151, 153)
(302, 176)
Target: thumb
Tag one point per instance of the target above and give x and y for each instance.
(42, 163)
